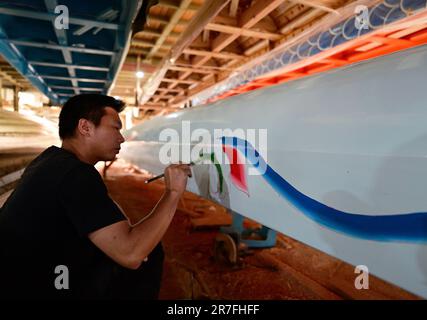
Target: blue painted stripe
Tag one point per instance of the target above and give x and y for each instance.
(407, 227)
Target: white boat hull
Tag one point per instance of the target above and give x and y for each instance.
(348, 144)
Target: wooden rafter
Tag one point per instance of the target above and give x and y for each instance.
(302, 19)
(256, 47)
(219, 55)
(234, 5)
(166, 96)
(194, 70)
(186, 81)
(161, 36)
(174, 5)
(204, 49)
(4, 75)
(256, 12)
(159, 19)
(243, 32)
(205, 35)
(169, 90)
(167, 31)
(325, 5)
(248, 19)
(209, 10)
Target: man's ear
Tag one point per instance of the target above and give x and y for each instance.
(85, 127)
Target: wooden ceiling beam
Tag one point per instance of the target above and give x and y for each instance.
(150, 32)
(179, 95)
(169, 90)
(219, 55)
(124, 85)
(158, 33)
(175, 5)
(206, 13)
(266, 24)
(169, 4)
(142, 43)
(211, 79)
(167, 31)
(243, 32)
(258, 11)
(226, 20)
(5, 76)
(209, 66)
(166, 96)
(256, 47)
(138, 51)
(150, 105)
(302, 19)
(248, 19)
(234, 6)
(194, 70)
(179, 80)
(165, 20)
(205, 36)
(325, 5)
(159, 19)
(309, 16)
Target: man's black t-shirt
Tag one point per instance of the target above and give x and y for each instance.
(45, 224)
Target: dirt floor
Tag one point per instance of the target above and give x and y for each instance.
(290, 270)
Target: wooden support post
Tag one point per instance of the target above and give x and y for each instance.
(1, 93)
(15, 98)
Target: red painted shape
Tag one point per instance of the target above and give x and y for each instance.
(237, 168)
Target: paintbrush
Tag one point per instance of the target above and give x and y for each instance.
(162, 175)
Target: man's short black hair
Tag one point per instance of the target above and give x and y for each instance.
(85, 106)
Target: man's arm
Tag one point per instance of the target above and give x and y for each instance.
(129, 246)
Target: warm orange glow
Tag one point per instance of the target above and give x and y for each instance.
(374, 45)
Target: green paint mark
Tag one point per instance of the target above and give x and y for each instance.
(211, 157)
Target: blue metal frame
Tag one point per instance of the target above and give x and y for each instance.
(15, 58)
(238, 230)
(86, 57)
(52, 16)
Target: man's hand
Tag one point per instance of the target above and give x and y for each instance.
(176, 178)
(129, 246)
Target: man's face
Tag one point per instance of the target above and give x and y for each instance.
(106, 137)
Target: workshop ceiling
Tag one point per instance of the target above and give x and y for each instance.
(211, 44)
